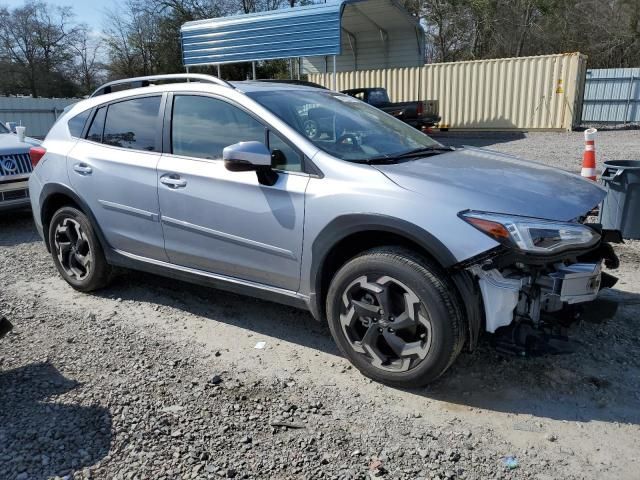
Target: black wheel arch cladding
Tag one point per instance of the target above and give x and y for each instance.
(347, 225)
(52, 190)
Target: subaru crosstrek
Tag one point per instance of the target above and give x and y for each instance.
(407, 248)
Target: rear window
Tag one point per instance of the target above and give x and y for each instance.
(133, 124)
(76, 124)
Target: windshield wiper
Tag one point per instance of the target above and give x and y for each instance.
(433, 149)
(416, 152)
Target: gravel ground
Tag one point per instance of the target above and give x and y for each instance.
(562, 150)
(156, 379)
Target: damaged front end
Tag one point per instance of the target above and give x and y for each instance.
(533, 284)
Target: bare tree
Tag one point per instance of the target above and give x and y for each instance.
(88, 49)
(35, 38)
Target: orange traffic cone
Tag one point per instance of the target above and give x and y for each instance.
(589, 157)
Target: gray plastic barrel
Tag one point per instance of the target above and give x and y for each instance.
(621, 207)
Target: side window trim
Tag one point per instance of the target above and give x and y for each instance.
(87, 124)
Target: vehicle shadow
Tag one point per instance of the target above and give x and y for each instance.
(476, 139)
(17, 227)
(40, 438)
(262, 317)
(599, 381)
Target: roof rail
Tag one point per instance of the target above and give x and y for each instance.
(137, 82)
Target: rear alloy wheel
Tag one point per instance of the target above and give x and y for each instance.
(311, 129)
(72, 249)
(76, 251)
(395, 316)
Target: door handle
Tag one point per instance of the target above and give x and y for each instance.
(83, 169)
(173, 181)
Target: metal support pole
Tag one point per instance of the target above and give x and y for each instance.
(335, 85)
(299, 68)
(626, 108)
(253, 69)
(219, 74)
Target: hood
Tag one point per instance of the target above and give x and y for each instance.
(479, 179)
(9, 144)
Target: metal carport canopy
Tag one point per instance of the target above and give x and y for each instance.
(314, 30)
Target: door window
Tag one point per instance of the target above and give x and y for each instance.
(203, 126)
(133, 124)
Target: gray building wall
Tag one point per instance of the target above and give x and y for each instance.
(612, 95)
(37, 114)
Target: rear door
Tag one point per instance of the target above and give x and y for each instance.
(114, 170)
(227, 222)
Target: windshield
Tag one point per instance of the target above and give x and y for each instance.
(342, 125)
(3, 129)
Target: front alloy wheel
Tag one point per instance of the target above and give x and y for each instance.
(396, 316)
(385, 321)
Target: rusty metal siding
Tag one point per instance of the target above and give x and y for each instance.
(612, 95)
(525, 93)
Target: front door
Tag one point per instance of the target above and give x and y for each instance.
(114, 170)
(227, 222)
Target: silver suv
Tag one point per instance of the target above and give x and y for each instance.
(407, 248)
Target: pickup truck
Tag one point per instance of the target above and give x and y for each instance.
(418, 114)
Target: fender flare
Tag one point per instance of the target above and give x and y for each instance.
(345, 225)
(51, 189)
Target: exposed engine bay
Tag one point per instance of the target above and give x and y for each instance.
(523, 293)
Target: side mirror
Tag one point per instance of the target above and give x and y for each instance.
(248, 156)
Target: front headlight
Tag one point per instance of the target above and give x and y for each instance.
(531, 234)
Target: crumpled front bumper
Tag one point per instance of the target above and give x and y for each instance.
(503, 296)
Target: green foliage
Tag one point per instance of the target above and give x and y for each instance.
(45, 51)
(608, 32)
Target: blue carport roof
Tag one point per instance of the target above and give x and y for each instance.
(285, 33)
(313, 30)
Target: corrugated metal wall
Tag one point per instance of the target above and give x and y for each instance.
(525, 93)
(285, 33)
(363, 46)
(612, 95)
(37, 114)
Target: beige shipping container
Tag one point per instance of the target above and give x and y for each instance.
(524, 93)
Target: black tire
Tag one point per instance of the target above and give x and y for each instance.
(407, 283)
(72, 237)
